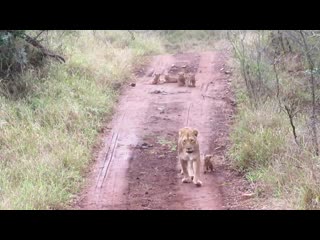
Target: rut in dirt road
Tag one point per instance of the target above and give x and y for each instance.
(137, 168)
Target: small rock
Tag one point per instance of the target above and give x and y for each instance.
(161, 110)
(221, 69)
(146, 145)
(132, 84)
(146, 192)
(227, 72)
(156, 91)
(248, 195)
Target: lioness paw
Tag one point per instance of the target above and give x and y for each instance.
(198, 183)
(186, 180)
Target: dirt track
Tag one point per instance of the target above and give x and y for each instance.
(137, 168)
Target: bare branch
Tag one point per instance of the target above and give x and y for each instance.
(43, 49)
(277, 80)
(42, 31)
(132, 35)
(291, 116)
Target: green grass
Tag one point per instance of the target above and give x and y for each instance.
(258, 135)
(170, 144)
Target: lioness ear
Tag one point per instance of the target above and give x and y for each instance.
(195, 132)
(181, 131)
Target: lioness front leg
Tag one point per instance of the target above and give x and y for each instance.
(191, 173)
(184, 166)
(196, 180)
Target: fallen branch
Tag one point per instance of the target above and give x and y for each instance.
(45, 51)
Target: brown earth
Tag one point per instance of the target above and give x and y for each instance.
(137, 165)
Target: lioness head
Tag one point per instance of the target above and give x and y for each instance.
(188, 139)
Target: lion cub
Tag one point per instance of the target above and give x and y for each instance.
(208, 163)
(191, 80)
(156, 78)
(181, 79)
(189, 155)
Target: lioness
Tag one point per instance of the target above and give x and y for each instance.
(189, 155)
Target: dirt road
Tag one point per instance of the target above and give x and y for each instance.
(137, 167)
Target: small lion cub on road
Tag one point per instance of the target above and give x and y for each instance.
(208, 163)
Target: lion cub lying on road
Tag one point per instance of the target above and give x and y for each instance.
(189, 155)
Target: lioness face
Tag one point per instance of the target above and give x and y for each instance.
(188, 138)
